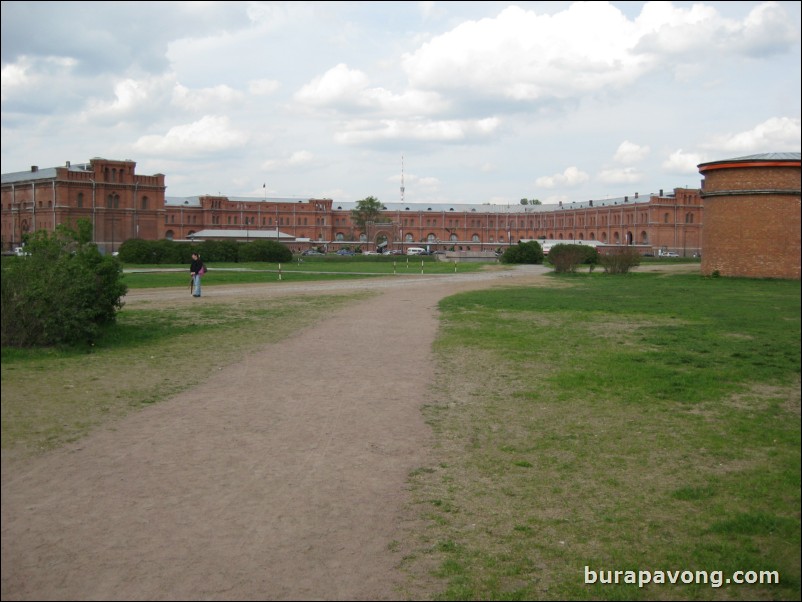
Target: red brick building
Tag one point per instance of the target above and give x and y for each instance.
(752, 216)
(122, 204)
(118, 202)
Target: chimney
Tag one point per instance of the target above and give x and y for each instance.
(590, 203)
(636, 195)
(661, 192)
(34, 168)
(68, 164)
(626, 199)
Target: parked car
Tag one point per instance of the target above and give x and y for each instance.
(668, 254)
(417, 251)
(345, 252)
(311, 252)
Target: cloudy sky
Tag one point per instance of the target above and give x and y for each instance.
(482, 102)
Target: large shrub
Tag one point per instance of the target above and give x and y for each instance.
(566, 257)
(264, 250)
(523, 252)
(619, 261)
(63, 292)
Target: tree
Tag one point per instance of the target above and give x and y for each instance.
(530, 202)
(63, 292)
(367, 210)
(523, 252)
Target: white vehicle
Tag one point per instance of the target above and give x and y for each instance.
(417, 251)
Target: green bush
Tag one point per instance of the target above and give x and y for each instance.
(619, 261)
(566, 257)
(264, 250)
(136, 250)
(62, 293)
(523, 252)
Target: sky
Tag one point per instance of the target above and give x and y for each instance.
(461, 102)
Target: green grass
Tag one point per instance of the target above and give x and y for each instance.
(311, 268)
(641, 422)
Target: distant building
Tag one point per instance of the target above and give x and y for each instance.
(122, 204)
(752, 216)
(118, 202)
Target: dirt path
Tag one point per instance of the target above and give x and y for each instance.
(282, 478)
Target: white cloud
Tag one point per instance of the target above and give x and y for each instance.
(775, 134)
(626, 175)
(701, 31)
(34, 75)
(484, 96)
(629, 152)
(572, 176)
(205, 99)
(208, 135)
(348, 90)
(683, 163)
(263, 87)
(522, 55)
(370, 131)
(338, 85)
(296, 159)
(132, 97)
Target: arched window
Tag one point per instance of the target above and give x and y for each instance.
(665, 218)
(475, 238)
(80, 199)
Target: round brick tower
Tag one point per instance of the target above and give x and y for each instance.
(751, 208)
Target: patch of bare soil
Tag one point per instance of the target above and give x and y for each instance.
(283, 477)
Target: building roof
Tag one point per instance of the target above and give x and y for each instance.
(242, 235)
(44, 173)
(194, 201)
(769, 157)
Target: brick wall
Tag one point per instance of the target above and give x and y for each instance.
(752, 221)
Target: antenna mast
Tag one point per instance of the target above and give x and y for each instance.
(402, 178)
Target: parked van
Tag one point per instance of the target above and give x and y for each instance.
(417, 251)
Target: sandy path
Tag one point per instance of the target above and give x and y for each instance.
(282, 478)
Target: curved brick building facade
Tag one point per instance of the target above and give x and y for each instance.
(752, 216)
(123, 204)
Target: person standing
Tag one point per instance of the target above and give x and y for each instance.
(196, 270)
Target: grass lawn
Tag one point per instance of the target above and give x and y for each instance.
(642, 422)
(298, 270)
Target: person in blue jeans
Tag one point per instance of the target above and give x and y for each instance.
(196, 270)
